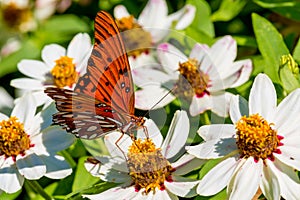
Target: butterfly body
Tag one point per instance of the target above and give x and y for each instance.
(103, 98)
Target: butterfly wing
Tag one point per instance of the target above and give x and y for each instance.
(82, 115)
(108, 78)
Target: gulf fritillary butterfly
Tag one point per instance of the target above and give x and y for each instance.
(103, 98)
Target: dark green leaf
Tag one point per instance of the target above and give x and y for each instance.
(270, 44)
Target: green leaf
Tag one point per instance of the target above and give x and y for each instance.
(202, 20)
(95, 147)
(289, 9)
(83, 179)
(289, 81)
(228, 10)
(5, 196)
(28, 50)
(296, 53)
(270, 44)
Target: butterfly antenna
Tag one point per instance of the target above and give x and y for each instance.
(170, 91)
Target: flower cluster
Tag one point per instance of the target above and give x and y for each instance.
(217, 122)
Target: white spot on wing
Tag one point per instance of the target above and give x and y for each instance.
(91, 128)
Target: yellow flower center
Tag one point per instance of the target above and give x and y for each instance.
(148, 168)
(13, 138)
(256, 138)
(192, 80)
(64, 72)
(137, 41)
(14, 16)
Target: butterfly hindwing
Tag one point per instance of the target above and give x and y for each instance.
(82, 115)
(108, 78)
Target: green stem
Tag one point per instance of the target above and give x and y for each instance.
(38, 188)
(69, 158)
(206, 118)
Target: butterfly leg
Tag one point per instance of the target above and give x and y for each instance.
(116, 143)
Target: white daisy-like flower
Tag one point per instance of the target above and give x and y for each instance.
(202, 77)
(17, 15)
(152, 25)
(60, 67)
(28, 146)
(149, 172)
(260, 150)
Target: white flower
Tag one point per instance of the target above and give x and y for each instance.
(208, 72)
(261, 149)
(28, 146)
(46, 8)
(6, 101)
(114, 168)
(17, 15)
(60, 67)
(154, 20)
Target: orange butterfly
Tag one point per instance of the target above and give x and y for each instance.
(103, 99)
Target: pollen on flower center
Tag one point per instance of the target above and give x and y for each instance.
(256, 138)
(13, 138)
(64, 72)
(192, 80)
(137, 40)
(148, 168)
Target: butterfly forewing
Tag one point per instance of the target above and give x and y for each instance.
(108, 78)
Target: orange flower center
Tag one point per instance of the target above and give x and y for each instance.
(13, 138)
(256, 138)
(148, 168)
(136, 39)
(64, 72)
(192, 81)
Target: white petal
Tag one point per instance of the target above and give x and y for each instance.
(234, 111)
(56, 139)
(200, 104)
(184, 16)
(11, 180)
(25, 110)
(288, 180)
(57, 167)
(262, 99)
(220, 103)
(144, 77)
(27, 83)
(215, 148)
(111, 194)
(115, 170)
(33, 68)
(269, 183)
(216, 131)
(217, 178)
(3, 117)
(186, 164)
(170, 57)
(79, 47)
(287, 116)
(182, 189)
(290, 155)
(244, 73)
(120, 11)
(147, 17)
(51, 53)
(153, 133)
(246, 179)
(151, 95)
(224, 52)
(177, 134)
(31, 166)
(6, 101)
(119, 150)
